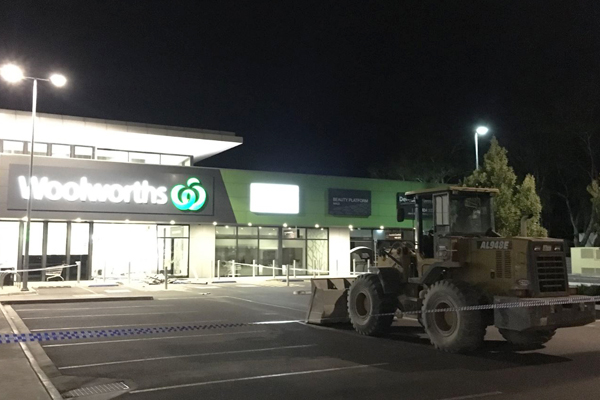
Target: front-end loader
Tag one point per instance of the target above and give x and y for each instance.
(459, 277)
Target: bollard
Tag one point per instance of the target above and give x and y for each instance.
(353, 266)
(273, 268)
(129, 273)
(219, 269)
(294, 266)
(78, 263)
(104, 272)
(232, 269)
(212, 269)
(253, 268)
(368, 265)
(287, 273)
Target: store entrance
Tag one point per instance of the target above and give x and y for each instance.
(120, 248)
(173, 249)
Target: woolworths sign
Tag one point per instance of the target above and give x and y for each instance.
(92, 190)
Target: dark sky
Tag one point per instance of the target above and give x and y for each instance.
(328, 87)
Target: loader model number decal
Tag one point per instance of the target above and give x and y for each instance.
(494, 244)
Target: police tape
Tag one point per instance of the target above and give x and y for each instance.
(106, 333)
(515, 304)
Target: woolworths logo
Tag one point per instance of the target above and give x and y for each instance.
(186, 198)
(189, 198)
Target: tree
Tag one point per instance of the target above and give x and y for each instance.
(513, 201)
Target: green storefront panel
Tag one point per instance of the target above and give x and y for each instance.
(314, 198)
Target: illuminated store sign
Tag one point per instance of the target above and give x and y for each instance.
(138, 192)
(141, 190)
(269, 198)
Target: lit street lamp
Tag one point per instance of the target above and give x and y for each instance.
(13, 74)
(481, 130)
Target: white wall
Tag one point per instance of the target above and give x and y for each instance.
(339, 251)
(202, 251)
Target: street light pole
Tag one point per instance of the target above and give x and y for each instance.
(481, 130)
(30, 190)
(476, 151)
(13, 74)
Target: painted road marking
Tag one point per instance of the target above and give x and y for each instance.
(118, 291)
(118, 326)
(473, 396)
(111, 315)
(264, 304)
(153, 338)
(187, 356)
(251, 378)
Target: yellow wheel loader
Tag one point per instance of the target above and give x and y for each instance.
(459, 277)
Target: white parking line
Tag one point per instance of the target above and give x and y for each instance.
(187, 356)
(251, 378)
(111, 315)
(125, 325)
(264, 304)
(473, 396)
(83, 308)
(147, 338)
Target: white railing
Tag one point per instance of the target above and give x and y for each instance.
(232, 269)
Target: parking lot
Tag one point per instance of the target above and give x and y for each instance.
(253, 346)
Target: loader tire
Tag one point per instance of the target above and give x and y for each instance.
(533, 338)
(366, 303)
(453, 331)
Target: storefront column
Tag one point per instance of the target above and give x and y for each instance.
(339, 251)
(202, 251)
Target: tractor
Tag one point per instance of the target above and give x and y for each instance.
(458, 277)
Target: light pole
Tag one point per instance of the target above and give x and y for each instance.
(481, 130)
(13, 74)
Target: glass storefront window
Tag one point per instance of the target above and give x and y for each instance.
(173, 231)
(316, 233)
(267, 254)
(225, 231)
(9, 244)
(13, 147)
(84, 152)
(268, 233)
(36, 239)
(167, 159)
(247, 231)
(61, 150)
(80, 239)
(247, 253)
(294, 233)
(225, 250)
(294, 251)
(144, 158)
(317, 256)
(112, 155)
(40, 149)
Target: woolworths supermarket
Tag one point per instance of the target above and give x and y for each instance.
(121, 197)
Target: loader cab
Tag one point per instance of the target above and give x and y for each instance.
(442, 213)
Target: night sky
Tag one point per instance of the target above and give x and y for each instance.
(326, 87)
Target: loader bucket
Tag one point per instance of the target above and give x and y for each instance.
(328, 303)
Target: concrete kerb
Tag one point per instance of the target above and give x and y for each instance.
(17, 326)
(75, 300)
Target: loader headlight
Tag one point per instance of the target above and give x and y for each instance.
(537, 247)
(557, 247)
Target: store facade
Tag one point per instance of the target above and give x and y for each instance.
(124, 198)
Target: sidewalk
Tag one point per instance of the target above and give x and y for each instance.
(19, 380)
(60, 292)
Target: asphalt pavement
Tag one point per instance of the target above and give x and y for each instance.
(249, 342)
